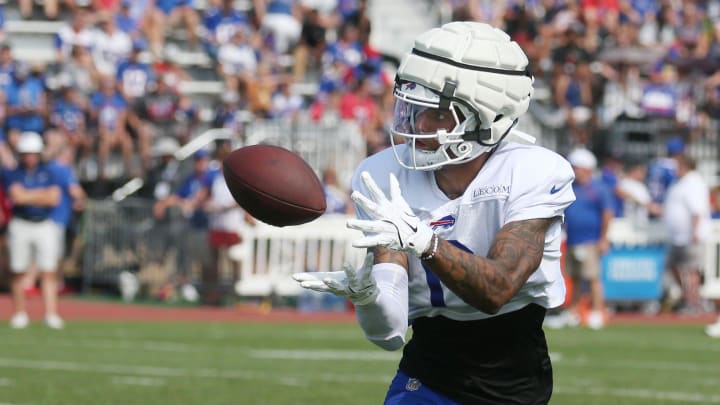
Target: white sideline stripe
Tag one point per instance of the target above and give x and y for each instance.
(182, 372)
(642, 365)
(290, 380)
(118, 344)
(644, 346)
(361, 355)
(143, 381)
(638, 393)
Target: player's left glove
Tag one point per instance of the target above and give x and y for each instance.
(393, 224)
(357, 285)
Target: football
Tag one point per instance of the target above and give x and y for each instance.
(274, 185)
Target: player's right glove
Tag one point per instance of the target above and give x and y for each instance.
(357, 285)
(392, 223)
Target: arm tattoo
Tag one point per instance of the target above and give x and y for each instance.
(488, 283)
(385, 255)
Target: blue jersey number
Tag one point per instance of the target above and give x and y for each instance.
(436, 293)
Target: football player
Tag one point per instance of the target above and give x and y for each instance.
(463, 227)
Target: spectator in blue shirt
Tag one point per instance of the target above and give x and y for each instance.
(190, 198)
(72, 200)
(26, 103)
(220, 25)
(68, 121)
(34, 190)
(126, 21)
(173, 11)
(586, 225)
(108, 111)
(663, 171)
(612, 171)
(2, 23)
(133, 75)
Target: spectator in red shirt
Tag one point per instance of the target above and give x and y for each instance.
(360, 106)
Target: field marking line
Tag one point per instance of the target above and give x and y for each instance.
(142, 381)
(295, 380)
(637, 393)
(158, 346)
(358, 355)
(640, 365)
(643, 346)
(156, 371)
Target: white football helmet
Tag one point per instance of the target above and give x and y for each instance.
(472, 70)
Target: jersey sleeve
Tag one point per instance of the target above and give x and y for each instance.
(542, 189)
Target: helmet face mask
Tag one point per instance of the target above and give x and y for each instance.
(420, 122)
(473, 82)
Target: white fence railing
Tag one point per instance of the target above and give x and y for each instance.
(711, 285)
(269, 255)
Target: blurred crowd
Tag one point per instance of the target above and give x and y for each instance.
(607, 60)
(116, 86)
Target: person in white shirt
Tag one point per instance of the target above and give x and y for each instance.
(110, 47)
(463, 225)
(637, 201)
(237, 58)
(686, 215)
(226, 223)
(74, 34)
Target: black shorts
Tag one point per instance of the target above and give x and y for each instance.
(499, 360)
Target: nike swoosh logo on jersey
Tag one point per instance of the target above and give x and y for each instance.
(554, 189)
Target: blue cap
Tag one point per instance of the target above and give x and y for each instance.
(675, 145)
(201, 154)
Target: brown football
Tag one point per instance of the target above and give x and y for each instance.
(274, 185)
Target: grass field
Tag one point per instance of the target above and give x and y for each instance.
(256, 363)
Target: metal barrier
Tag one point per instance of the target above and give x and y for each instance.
(123, 236)
(339, 144)
(115, 236)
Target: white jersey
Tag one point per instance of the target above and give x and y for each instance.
(109, 50)
(518, 182)
(688, 197)
(67, 37)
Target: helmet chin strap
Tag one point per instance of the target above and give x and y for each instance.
(482, 135)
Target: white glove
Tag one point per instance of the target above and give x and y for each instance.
(393, 223)
(357, 285)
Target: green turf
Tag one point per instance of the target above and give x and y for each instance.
(186, 363)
